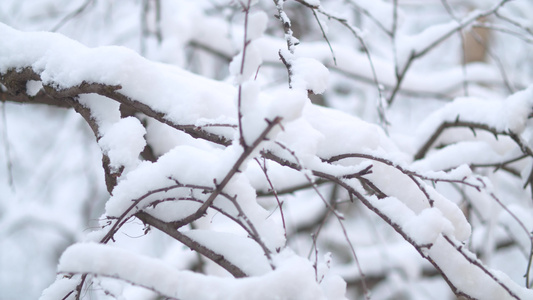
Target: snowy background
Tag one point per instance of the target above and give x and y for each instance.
(302, 149)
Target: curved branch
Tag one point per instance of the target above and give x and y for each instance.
(457, 123)
(15, 82)
(421, 249)
(171, 231)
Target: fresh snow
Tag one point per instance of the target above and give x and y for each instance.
(67, 63)
(309, 74)
(293, 279)
(123, 142)
(208, 77)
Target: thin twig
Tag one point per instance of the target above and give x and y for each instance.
(72, 15)
(333, 211)
(7, 150)
(325, 37)
(235, 168)
(357, 35)
(243, 58)
(274, 191)
(463, 46)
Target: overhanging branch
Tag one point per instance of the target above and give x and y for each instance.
(15, 83)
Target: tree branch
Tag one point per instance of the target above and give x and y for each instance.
(171, 231)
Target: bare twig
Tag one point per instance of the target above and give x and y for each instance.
(239, 97)
(72, 15)
(523, 227)
(402, 70)
(357, 35)
(7, 150)
(332, 210)
(274, 191)
(450, 12)
(325, 37)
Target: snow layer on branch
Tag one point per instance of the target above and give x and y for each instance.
(382, 11)
(240, 250)
(292, 279)
(452, 156)
(343, 133)
(260, 108)
(105, 111)
(123, 142)
(309, 74)
(244, 70)
(281, 177)
(184, 163)
(468, 277)
(59, 289)
(257, 24)
(409, 200)
(510, 114)
(63, 63)
(427, 226)
(355, 63)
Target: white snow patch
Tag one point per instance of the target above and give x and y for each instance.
(64, 63)
(33, 87)
(452, 156)
(104, 111)
(244, 70)
(287, 104)
(257, 24)
(427, 226)
(293, 279)
(123, 142)
(510, 114)
(467, 277)
(309, 74)
(242, 251)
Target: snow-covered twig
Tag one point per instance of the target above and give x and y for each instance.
(15, 81)
(286, 23)
(171, 231)
(331, 210)
(235, 168)
(421, 51)
(421, 153)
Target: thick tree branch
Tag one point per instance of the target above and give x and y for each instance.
(15, 82)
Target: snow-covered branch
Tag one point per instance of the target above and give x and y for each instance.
(205, 147)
